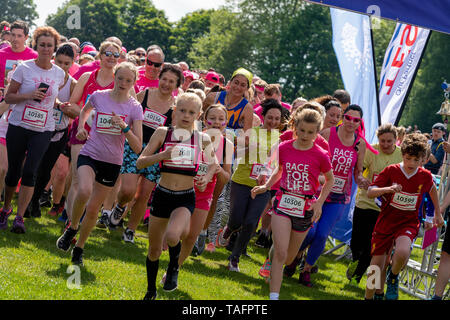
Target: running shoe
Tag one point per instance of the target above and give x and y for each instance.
(289, 270)
(116, 215)
(221, 241)
(201, 242)
(102, 222)
(314, 268)
(45, 199)
(63, 216)
(56, 210)
(4, 215)
(150, 295)
(392, 287)
(64, 242)
(210, 247)
(77, 256)
(351, 269)
(233, 265)
(305, 279)
(18, 225)
(261, 241)
(171, 280)
(265, 269)
(378, 296)
(128, 236)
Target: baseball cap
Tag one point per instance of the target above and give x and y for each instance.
(188, 74)
(439, 126)
(88, 49)
(213, 77)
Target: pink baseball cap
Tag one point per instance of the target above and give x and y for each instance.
(124, 49)
(213, 77)
(88, 49)
(188, 74)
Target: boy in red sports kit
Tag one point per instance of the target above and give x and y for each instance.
(401, 188)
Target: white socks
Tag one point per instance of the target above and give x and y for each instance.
(274, 296)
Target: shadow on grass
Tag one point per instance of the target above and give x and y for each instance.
(64, 272)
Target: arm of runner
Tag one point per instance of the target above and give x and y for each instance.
(211, 160)
(438, 220)
(82, 134)
(276, 175)
(248, 117)
(3, 107)
(374, 191)
(13, 97)
(148, 156)
(134, 135)
(362, 182)
(326, 189)
(224, 171)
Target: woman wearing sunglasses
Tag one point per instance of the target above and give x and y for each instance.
(149, 72)
(90, 82)
(346, 150)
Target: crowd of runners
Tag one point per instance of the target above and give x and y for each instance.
(121, 138)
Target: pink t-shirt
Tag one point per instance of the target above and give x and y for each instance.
(29, 114)
(9, 60)
(105, 142)
(143, 82)
(88, 67)
(258, 109)
(301, 168)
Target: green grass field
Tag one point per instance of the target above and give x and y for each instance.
(31, 267)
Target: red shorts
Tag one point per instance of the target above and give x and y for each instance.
(382, 243)
(204, 199)
(3, 141)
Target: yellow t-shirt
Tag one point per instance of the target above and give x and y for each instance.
(374, 164)
(260, 144)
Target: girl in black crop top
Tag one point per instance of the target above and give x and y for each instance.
(157, 107)
(174, 197)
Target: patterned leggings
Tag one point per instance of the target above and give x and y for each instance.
(222, 213)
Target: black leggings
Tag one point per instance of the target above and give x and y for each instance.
(48, 162)
(244, 214)
(21, 143)
(364, 221)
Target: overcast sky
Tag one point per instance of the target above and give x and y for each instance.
(175, 9)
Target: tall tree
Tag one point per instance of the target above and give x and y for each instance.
(137, 23)
(192, 26)
(25, 10)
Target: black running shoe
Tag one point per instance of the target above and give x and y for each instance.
(77, 256)
(64, 242)
(150, 295)
(45, 199)
(171, 282)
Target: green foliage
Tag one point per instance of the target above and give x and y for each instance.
(136, 23)
(25, 10)
(193, 26)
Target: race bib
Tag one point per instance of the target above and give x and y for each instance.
(202, 169)
(103, 124)
(183, 155)
(405, 201)
(339, 184)
(258, 169)
(34, 117)
(153, 119)
(292, 204)
(58, 116)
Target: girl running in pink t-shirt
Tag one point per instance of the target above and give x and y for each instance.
(300, 162)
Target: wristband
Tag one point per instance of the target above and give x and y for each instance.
(126, 129)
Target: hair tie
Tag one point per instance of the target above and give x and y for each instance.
(6, 28)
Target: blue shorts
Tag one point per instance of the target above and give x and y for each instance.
(151, 173)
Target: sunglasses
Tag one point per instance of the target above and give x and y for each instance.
(109, 54)
(155, 64)
(350, 118)
(140, 54)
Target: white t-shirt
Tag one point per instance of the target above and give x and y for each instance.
(29, 114)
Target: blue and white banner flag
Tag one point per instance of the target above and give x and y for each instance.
(401, 61)
(352, 42)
